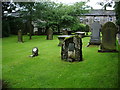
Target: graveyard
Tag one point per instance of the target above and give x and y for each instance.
(47, 70)
(50, 44)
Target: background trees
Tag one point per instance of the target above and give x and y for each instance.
(46, 14)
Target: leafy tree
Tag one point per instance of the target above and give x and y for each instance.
(117, 10)
(105, 4)
(27, 13)
(7, 8)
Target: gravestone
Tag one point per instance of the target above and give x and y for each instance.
(34, 52)
(109, 31)
(20, 38)
(95, 37)
(66, 31)
(50, 34)
(72, 49)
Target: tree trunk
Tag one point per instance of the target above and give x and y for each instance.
(20, 39)
(58, 29)
(30, 30)
(119, 35)
(86, 33)
(49, 34)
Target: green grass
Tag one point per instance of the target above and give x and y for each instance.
(97, 70)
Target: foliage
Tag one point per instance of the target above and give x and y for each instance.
(79, 27)
(117, 10)
(87, 28)
(48, 14)
(47, 70)
(5, 28)
(8, 7)
(105, 4)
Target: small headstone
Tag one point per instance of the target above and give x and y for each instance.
(109, 31)
(95, 37)
(50, 34)
(72, 49)
(34, 52)
(65, 32)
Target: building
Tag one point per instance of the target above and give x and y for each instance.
(102, 16)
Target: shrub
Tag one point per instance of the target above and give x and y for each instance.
(79, 27)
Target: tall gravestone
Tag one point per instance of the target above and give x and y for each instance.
(72, 49)
(50, 34)
(109, 31)
(95, 37)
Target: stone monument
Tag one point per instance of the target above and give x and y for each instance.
(20, 38)
(72, 49)
(95, 37)
(50, 34)
(109, 31)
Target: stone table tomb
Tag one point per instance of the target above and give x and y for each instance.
(72, 49)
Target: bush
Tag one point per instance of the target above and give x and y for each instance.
(5, 28)
(79, 27)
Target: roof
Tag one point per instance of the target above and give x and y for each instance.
(100, 13)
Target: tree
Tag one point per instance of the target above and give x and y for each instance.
(105, 4)
(7, 8)
(27, 13)
(117, 10)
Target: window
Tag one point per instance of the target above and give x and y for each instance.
(96, 19)
(110, 19)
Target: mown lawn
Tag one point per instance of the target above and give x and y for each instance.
(97, 70)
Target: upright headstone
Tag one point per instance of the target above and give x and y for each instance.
(95, 37)
(109, 31)
(72, 49)
(20, 39)
(49, 34)
(65, 32)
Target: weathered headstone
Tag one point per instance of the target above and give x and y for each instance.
(65, 32)
(20, 38)
(95, 37)
(72, 49)
(49, 34)
(61, 39)
(109, 31)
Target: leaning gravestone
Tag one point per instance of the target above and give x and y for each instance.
(72, 49)
(49, 34)
(109, 31)
(95, 37)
